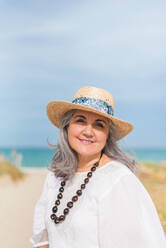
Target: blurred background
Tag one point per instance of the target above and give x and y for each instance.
(49, 49)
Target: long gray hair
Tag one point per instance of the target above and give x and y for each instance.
(65, 161)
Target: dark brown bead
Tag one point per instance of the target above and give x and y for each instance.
(86, 180)
(79, 192)
(74, 198)
(59, 196)
(54, 209)
(53, 216)
(70, 204)
(83, 186)
(61, 218)
(93, 168)
(66, 211)
(96, 164)
(63, 183)
(56, 220)
(89, 174)
(61, 189)
(57, 202)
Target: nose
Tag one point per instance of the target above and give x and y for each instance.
(88, 131)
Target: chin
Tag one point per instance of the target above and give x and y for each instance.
(87, 153)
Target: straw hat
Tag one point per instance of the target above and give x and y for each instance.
(91, 99)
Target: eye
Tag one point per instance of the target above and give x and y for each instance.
(80, 120)
(100, 125)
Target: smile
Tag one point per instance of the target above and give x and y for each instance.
(84, 141)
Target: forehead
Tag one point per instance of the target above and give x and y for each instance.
(91, 115)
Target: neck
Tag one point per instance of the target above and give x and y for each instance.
(86, 162)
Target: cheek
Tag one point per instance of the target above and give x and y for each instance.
(102, 138)
(73, 131)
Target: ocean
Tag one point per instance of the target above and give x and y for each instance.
(41, 157)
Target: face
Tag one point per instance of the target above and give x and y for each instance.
(87, 133)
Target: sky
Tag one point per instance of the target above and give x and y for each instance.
(50, 49)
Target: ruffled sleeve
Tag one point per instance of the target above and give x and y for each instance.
(128, 218)
(40, 235)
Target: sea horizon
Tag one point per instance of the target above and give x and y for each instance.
(41, 157)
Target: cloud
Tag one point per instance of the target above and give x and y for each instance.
(99, 36)
(50, 50)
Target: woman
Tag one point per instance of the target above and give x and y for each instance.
(92, 196)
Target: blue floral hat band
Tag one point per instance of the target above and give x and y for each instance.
(94, 103)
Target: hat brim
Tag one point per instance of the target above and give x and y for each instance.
(56, 109)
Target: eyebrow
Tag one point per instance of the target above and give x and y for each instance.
(82, 116)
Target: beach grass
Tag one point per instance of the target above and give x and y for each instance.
(7, 168)
(153, 177)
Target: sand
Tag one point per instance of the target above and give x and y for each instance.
(17, 207)
(18, 201)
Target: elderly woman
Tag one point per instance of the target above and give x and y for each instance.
(92, 196)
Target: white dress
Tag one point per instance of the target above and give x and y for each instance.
(114, 211)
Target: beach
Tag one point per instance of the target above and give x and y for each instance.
(17, 206)
(18, 199)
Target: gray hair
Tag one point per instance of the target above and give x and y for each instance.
(65, 161)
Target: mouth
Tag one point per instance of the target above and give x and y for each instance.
(85, 141)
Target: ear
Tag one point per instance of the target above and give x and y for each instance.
(67, 126)
(108, 134)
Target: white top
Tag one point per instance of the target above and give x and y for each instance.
(114, 211)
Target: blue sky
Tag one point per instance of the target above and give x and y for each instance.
(49, 49)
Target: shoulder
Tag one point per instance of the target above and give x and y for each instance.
(124, 186)
(108, 177)
(51, 181)
(115, 170)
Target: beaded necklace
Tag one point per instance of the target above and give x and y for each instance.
(61, 218)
